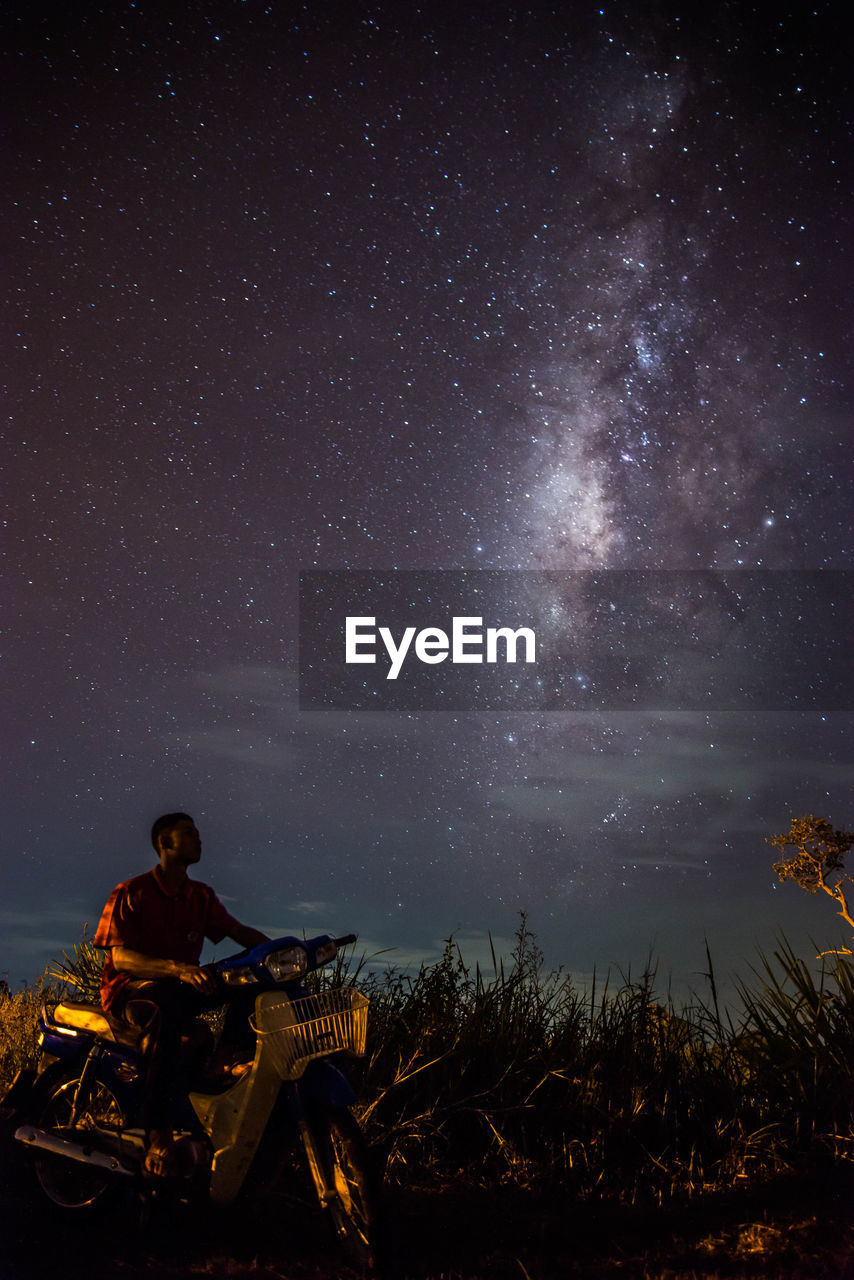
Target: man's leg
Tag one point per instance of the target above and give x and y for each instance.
(163, 1010)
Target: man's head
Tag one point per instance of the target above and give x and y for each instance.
(175, 836)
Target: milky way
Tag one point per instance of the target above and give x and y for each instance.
(373, 286)
(679, 393)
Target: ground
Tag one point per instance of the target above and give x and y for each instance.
(795, 1229)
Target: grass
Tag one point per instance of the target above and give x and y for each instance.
(77, 975)
(521, 1077)
(520, 1084)
(19, 1013)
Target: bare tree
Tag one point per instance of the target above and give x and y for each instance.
(818, 862)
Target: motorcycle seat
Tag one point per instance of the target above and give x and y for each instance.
(88, 1017)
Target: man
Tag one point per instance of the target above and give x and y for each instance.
(153, 929)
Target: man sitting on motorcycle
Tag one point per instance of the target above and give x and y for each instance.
(153, 928)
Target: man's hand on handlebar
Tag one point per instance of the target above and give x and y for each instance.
(194, 976)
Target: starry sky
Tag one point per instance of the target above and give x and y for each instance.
(372, 286)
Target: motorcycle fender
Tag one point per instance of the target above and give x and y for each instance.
(234, 1122)
(323, 1083)
(66, 1045)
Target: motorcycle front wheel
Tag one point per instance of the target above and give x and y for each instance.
(349, 1172)
(72, 1186)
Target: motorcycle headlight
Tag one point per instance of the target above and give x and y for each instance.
(289, 963)
(241, 976)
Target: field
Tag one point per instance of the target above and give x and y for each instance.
(529, 1129)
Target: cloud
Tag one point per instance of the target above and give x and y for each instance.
(664, 758)
(364, 724)
(33, 938)
(245, 746)
(44, 946)
(311, 908)
(264, 686)
(30, 921)
(667, 862)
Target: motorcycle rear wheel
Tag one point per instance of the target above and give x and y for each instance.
(71, 1186)
(349, 1172)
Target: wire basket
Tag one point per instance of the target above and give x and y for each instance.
(295, 1031)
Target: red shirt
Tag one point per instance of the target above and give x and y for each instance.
(142, 916)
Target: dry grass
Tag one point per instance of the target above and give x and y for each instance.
(19, 1013)
(520, 1078)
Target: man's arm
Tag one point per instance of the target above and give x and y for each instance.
(142, 966)
(244, 936)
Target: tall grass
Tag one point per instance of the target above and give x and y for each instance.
(19, 1015)
(798, 1042)
(520, 1076)
(77, 976)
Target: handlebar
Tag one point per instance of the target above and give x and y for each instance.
(277, 959)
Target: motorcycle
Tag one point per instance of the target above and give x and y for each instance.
(83, 1104)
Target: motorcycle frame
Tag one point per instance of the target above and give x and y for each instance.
(234, 1120)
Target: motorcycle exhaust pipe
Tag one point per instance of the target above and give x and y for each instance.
(79, 1151)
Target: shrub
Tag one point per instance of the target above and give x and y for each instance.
(81, 971)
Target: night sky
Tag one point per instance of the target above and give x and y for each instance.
(417, 286)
